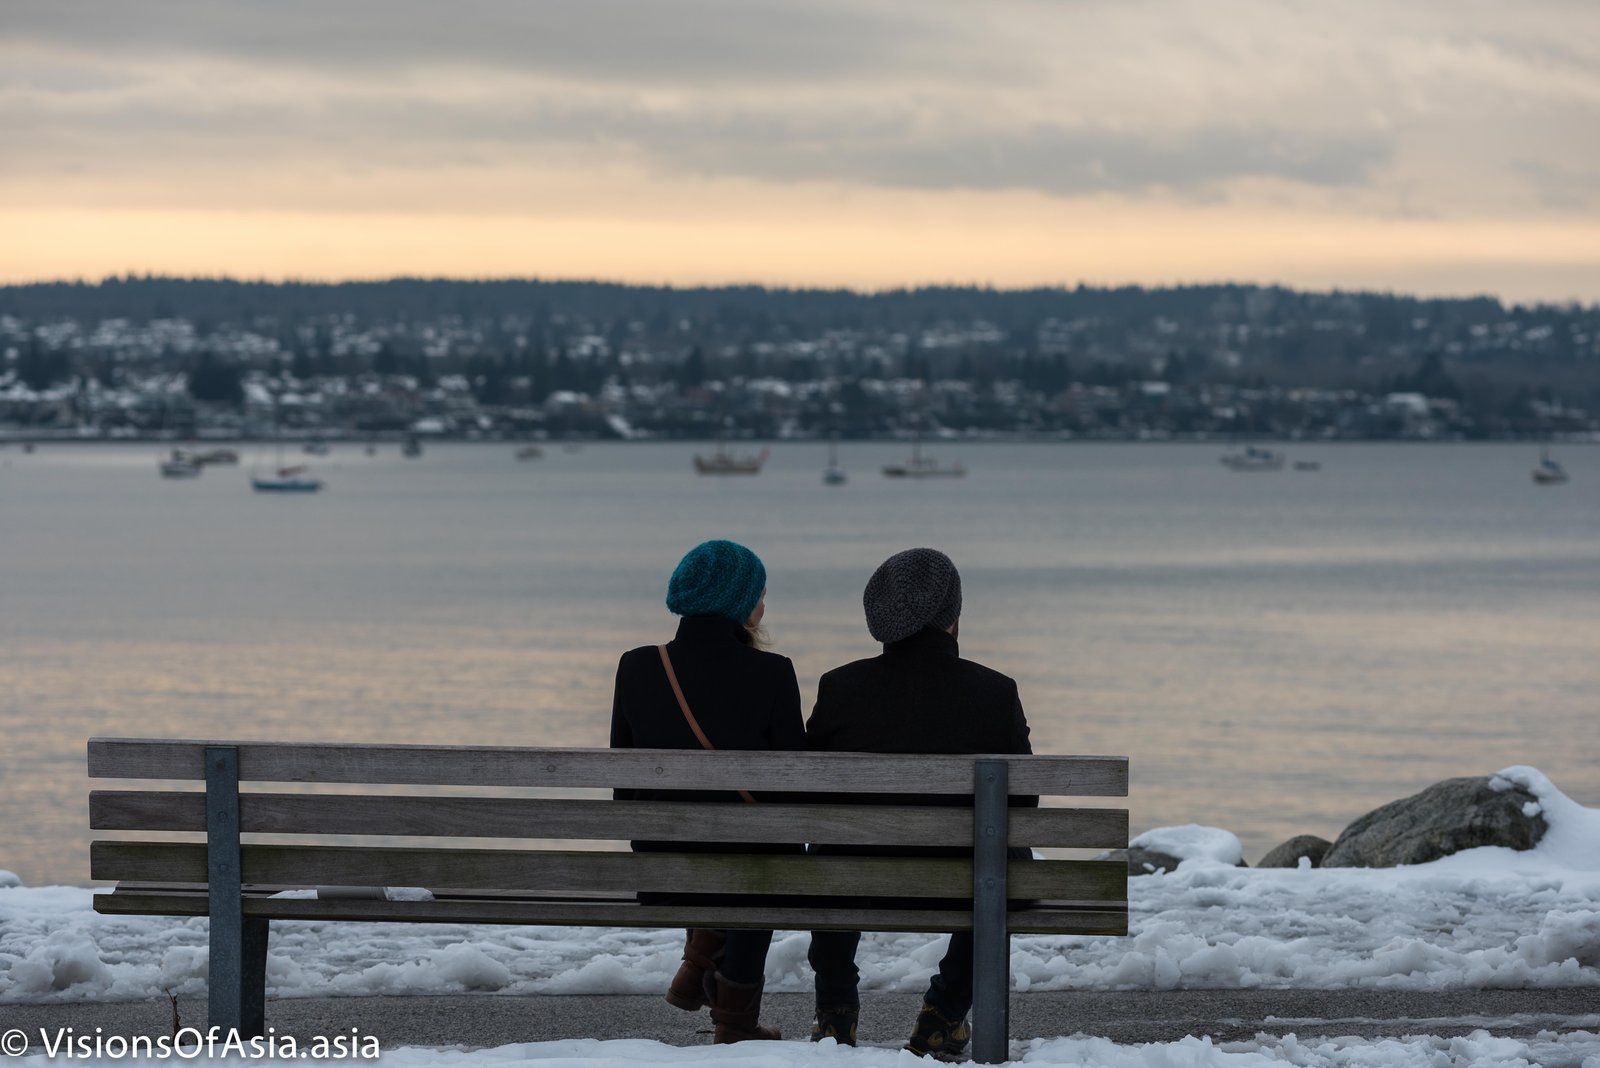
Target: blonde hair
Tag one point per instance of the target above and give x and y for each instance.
(756, 636)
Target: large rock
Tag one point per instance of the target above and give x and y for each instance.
(1445, 818)
(1289, 853)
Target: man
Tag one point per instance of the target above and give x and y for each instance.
(918, 696)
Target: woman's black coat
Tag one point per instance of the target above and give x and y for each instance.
(742, 697)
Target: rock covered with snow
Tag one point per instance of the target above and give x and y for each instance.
(1167, 848)
(1446, 818)
(9, 879)
(1142, 861)
(1289, 854)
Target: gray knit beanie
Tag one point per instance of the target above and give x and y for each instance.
(911, 590)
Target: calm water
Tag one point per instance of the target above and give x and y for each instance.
(1277, 653)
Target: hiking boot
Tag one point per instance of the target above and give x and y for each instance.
(701, 949)
(938, 1036)
(735, 1008)
(838, 1024)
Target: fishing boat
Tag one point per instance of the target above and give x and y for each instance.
(920, 466)
(315, 447)
(529, 452)
(833, 474)
(723, 462)
(1254, 458)
(1549, 472)
(1308, 465)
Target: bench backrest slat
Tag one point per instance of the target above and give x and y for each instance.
(567, 818)
(659, 769)
(578, 872)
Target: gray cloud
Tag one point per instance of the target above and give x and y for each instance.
(1422, 107)
(691, 41)
(882, 145)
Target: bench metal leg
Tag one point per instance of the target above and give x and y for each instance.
(253, 978)
(232, 955)
(991, 955)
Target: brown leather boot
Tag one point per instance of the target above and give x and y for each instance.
(735, 1008)
(701, 949)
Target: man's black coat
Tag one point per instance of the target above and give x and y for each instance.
(919, 696)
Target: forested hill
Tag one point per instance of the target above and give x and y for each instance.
(754, 307)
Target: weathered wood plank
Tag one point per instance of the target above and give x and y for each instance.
(136, 758)
(1066, 921)
(555, 871)
(561, 818)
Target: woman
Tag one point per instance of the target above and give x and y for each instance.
(742, 698)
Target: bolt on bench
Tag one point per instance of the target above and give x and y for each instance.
(531, 883)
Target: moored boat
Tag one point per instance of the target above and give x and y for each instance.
(286, 480)
(834, 474)
(1549, 472)
(179, 466)
(920, 466)
(285, 485)
(723, 462)
(1254, 458)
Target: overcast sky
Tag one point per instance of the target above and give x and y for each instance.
(1438, 146)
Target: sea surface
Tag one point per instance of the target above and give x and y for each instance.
(1277, 653)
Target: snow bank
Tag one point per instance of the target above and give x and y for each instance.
(1193, 842)
(1480, 1049)
(1485, 918)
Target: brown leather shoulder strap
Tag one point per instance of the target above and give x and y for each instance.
(683, 705)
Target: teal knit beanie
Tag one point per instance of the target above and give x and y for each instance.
(717, 578)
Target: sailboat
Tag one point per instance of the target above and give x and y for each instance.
(833, 474)
(1549, 472)
(284, 479)
(920, 466)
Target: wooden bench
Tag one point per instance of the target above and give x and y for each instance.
(532, 882)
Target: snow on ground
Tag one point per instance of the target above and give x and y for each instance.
(1483, 918)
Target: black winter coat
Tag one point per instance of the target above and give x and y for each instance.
(742, 697)
(919, 696)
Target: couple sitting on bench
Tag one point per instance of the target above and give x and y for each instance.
(714, 686)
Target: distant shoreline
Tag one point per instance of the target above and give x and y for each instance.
(14, 437)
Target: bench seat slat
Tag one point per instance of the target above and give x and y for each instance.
(557, 818)
(551, 870)
(661, 769)
(620, 913)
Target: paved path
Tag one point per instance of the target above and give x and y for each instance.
(1127, 1017)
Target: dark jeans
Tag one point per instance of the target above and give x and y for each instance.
(833, 959)
(744, 955)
